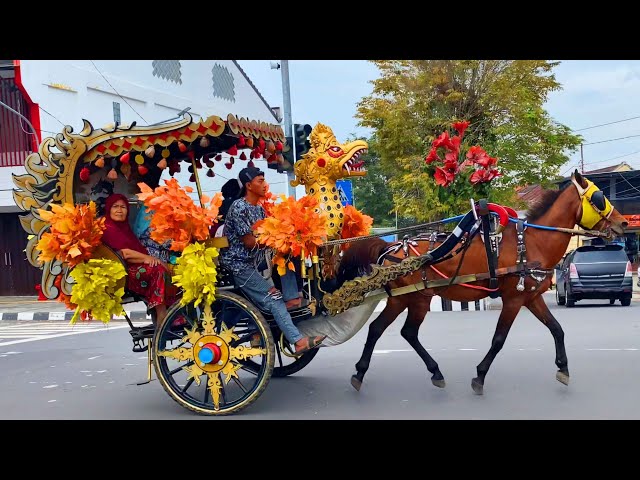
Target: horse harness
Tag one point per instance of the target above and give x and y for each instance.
(491, 237)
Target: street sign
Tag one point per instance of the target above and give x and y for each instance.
(345, 190)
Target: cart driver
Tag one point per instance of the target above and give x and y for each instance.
(245, 259)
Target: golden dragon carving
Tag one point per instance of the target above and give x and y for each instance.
(326, 162)
(352, 293)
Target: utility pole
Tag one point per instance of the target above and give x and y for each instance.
(581, 160)
(288, 124)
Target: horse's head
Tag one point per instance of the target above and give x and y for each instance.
(596, 212)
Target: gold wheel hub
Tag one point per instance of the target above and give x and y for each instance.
(211, 353)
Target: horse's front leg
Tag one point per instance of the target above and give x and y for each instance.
(510, 309)
(394, 307)
(418, 309)
(539, 308)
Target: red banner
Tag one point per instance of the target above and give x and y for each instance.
(634, 220)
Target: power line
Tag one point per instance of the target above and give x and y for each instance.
(603, 124)
(21, 116)
(611, 159)
(573, 165)
(611, 140)
(51, 115)
(125, 100)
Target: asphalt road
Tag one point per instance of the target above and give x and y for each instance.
(91, 374)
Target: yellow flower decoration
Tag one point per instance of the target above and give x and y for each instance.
(96, 288)
(196, 273)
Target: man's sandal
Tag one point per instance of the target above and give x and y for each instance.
(313, 343)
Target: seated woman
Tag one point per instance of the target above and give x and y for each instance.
(146, 275)
(142, 230)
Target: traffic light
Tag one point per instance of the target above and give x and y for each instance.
(301, 142)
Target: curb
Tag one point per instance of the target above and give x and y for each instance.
(60, 316)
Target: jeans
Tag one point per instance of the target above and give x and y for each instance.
(257, 288)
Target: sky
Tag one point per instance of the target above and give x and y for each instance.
(593, 92)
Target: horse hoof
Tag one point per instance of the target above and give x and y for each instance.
(438, 383)
(355, 383)
(562, 378)
(478, 388)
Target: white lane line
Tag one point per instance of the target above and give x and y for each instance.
(33, 339)
(612, 349)
(390, 351)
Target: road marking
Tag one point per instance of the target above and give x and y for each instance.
(612, 349)
(391, 351)
(23, 332)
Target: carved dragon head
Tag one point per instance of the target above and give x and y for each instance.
(329, 160)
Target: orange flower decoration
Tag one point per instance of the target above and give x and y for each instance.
(176, 217)
(75, 232)
(268, 202)
(294, 225)
(355, 224)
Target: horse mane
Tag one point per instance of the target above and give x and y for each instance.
(543, 204)
(357, 259)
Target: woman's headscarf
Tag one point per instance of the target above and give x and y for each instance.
(230, 192)
(119, 235)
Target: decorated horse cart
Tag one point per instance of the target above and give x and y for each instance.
(215, 351)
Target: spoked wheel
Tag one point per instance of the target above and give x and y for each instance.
(286, 363)
(201, 355)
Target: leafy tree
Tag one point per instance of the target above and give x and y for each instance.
(371, 192)
(413, 102)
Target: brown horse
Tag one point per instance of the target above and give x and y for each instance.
(576, 204)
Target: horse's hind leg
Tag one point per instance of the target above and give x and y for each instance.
(376, 329)
(417, 311)
(539, 308)
(509, 311)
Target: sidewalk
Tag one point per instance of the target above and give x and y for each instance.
(29, 308)
(496, 303)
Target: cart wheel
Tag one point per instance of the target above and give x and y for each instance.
(193, 345)
(286, 363)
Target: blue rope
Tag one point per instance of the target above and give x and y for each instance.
(452, 219)
(514, 220)
(533, 225)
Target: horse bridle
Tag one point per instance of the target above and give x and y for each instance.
(595, 206)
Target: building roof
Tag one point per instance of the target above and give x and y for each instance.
(621, 167)
(530, 193)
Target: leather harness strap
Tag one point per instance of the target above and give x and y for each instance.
(474, 277)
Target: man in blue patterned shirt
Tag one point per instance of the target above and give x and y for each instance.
(246, 259)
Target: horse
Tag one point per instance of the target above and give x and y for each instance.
(580, 202)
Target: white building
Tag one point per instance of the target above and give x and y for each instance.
(56, 93)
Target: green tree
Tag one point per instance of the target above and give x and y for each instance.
(413, 102)
(371, 192)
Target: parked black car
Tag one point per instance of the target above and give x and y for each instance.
(594, 271)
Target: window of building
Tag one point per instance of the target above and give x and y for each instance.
(116, 112)
(223, 84)
(168, 69)
(17, 140)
